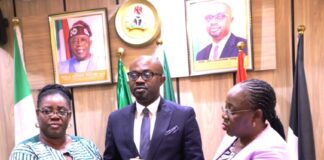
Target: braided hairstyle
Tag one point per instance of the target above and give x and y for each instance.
(261, 95)
(51, 89)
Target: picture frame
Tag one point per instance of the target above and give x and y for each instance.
(214, 28)
(80, 47)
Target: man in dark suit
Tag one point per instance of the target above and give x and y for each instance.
(219, 18)
(173, 131)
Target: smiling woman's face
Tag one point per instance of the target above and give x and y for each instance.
(53, 116)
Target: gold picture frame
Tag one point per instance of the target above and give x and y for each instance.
(80, 47)
(206, 22)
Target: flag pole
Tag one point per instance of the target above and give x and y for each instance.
(301, 29)
(300, 132)
(123, 93)
(120, 52)
(159, 42)
(241, 72)
(240, 45)
(16, 22)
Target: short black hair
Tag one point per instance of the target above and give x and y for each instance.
(51, 89)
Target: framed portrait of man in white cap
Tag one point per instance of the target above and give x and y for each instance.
(80, 47)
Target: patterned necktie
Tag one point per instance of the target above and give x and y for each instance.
(215, 52)
(145, 134)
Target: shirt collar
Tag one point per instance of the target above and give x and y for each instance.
(152, 107)
(223, 41)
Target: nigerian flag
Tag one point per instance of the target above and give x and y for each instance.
(24, 109)
(123, 92)
(167, 87)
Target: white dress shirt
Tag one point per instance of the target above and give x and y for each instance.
(81, 66)
(139, 117)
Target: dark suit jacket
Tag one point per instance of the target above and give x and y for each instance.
(230, 49)
(176, 135)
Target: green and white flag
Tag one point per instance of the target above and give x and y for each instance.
(24, 109)
(168, 87)
(124, 97)
(167, 90)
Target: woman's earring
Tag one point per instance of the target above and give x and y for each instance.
(70, 125)
(36, 125)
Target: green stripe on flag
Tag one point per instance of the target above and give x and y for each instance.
(58, 27)
(123, 92)
(168, 87)
(21, 86)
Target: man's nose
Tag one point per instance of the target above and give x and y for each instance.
(213, 22)
(140, 80)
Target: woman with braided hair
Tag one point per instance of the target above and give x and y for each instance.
(53, 115)
(253, 128)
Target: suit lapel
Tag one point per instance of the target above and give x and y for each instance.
(206, 56)
(162, 122)
(129, 117)
(228, 48)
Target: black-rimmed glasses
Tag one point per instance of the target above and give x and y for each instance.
(217, 17)
(146, 75)
(229, 112)
(49, 112)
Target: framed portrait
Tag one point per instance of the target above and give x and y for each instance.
(215, 27)
(80, 47)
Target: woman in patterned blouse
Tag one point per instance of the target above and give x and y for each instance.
(53, 114)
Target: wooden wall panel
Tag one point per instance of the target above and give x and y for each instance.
(93, 105)
(207, 94)
(37, 49)
(36, 39)
(77, 5)
(38, 7)
(311, 14)
(264, 41)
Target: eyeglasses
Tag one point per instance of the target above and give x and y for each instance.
(218, 17)
(146, 75)
(49, 112)
(229, 112)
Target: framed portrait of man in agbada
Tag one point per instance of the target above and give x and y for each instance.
(215, 27)
(80, 48)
